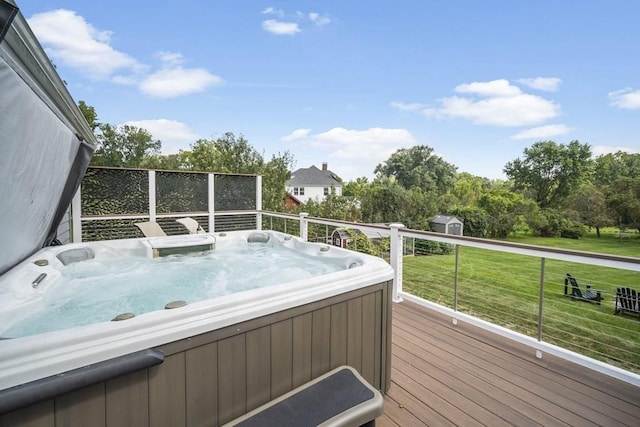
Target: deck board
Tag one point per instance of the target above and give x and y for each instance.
(444, 374)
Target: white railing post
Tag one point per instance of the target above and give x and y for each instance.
(152, 196)
(304, 226)
(540, 306)
(76, 217)
(396, 259)
(211, 203)
(259, 202)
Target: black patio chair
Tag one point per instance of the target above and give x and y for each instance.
(627, 300)
(589, 294)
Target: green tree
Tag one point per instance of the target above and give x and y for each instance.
(90, 115)
(179, 161)
(474, 219)
(468, 188)
(419, 167)
(332, 207)
(589, 204)
(383, 201)
(229, 154)
(226, 154)
(123, 146)
(274, 175)
(357, 188)
(387, 201)
(549, 172)
(503, 208)
(623, 198)
(610, 167)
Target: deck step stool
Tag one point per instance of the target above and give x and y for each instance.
(340, 397)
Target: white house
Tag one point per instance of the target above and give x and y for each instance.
(312, 183)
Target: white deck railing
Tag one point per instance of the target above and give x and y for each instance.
(537, 314)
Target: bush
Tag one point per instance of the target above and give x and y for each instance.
(572, 229)
(551, 223)
(474, 220)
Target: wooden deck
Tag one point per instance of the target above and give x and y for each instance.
(445, 375)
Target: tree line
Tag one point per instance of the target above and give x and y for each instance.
(551, 190)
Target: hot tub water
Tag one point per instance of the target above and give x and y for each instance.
(96, 290)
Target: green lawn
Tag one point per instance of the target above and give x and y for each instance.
(607, 243)
(503, 288)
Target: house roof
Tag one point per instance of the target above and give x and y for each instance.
(313, 176)
(292, 199)
(445, 219)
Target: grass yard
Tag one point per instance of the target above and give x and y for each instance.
(503, 288)
(607, 243)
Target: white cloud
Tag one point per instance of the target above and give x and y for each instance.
(296, 134)
(354, 153)
(290, 23)
(273, 11)
(496, 103)
(280, 28)
(600, 150)
(549, 84)
(173, 80)
(495, 88)
(125, 80)
(402, 106)
(625, 98)
(521, 110)
(373, 143)
(170, 58)
(178, 81)
(318, 19)
(174, 135)
(543, 132)
(70, 40)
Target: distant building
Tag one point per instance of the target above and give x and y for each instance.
(342, 236)
(446, 224)
(290, 201)
(312, 183)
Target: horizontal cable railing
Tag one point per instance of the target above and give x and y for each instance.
(518, 287)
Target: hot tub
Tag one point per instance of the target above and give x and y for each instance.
(258, 342)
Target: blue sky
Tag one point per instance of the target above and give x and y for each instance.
(351, 82)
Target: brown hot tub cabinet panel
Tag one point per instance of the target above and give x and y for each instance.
(215, 377)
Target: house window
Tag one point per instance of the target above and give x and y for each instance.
(326, 191)
(298, 191)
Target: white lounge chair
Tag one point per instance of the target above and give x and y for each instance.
(191, 225)
(151, 229)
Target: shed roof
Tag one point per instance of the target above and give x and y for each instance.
(313, 176)
(345, 232)
(445, 219)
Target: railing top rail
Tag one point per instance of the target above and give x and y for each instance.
(280, 215)
(379, 228)
(605, 260)
(346, 224)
